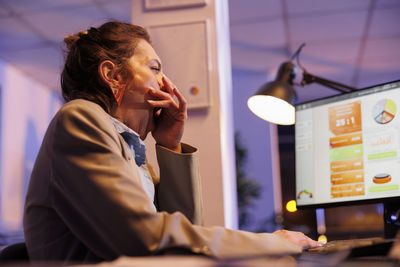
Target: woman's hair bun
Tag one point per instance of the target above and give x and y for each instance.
(71, 40)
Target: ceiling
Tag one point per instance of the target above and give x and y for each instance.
(353, 42)
(31, 32)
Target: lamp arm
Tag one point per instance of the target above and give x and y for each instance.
(309, 78)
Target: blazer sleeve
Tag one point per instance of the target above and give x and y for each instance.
(180, 187)
(98, 194)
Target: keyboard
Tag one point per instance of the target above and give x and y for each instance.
(377, 243)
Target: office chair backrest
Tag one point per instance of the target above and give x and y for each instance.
(14, 252)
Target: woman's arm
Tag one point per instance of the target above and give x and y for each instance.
(97, 193)
(180, 187)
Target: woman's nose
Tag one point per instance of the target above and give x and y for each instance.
(159, 80)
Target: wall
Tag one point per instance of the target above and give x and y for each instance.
(26, 108)
(208, 128)
(257, 137)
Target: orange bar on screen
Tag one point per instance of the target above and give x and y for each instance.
(347, 177)
(345, 140)
(347, 190)
(347, 165)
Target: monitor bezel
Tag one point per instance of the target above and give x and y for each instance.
(347, 202)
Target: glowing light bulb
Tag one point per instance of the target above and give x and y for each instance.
(272, 109)
(291, 206)
(322, 239)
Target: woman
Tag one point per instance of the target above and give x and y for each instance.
(92, 196)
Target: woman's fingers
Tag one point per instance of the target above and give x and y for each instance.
(309, 243)
(160, 103)
(297, 238)
(173, 90)
(159, 94)
(168, 85)
(160, 97)
(164, 97)
(181, 100)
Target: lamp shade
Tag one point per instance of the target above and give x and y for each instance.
(273, 101)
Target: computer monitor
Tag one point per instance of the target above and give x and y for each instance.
(348, 148)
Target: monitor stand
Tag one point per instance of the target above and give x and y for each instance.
(391, 219)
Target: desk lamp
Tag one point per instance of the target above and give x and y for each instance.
(274, 100)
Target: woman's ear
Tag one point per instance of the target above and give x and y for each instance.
(109, 74)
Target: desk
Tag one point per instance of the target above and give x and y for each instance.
(196, 261)
(285, 261)
(199, 261)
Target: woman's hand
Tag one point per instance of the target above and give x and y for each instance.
(169, 116)
(297, 238)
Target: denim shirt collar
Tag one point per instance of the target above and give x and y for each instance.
(133, 141)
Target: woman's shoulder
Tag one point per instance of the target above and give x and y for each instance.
(81, 110)
(83, 105)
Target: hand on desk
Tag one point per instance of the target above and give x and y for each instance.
(297, 238)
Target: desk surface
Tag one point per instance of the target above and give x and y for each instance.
(286, 261)
(304, 260)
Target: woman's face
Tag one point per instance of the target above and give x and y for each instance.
(145, 68)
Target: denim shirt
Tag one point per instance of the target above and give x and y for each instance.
(138, 149)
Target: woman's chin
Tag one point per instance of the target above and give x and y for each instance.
(143, 136)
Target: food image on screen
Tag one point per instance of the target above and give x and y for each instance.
(382, 178)
(384, 111)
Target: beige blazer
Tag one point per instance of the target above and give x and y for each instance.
(86, 203)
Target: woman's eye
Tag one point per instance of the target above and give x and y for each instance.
(155, 69)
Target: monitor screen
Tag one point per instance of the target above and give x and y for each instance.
(348, 148)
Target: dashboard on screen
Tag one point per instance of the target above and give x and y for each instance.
(348, 147)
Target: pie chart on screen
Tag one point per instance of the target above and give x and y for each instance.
(384, 111)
